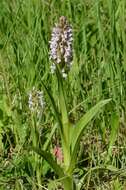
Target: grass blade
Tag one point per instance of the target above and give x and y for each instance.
(114, 130)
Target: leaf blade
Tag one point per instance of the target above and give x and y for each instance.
(77, 132)
(48, 157)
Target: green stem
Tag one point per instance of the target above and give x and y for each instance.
(68, 183)
(65, 133)
(66, 153)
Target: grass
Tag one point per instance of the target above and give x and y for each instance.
(98, 73)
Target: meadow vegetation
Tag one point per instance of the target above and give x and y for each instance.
(98, 74)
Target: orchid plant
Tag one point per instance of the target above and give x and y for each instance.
(61, 53)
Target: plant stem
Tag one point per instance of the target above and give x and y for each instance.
(68, 183)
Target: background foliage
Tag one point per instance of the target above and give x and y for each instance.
(98, 72)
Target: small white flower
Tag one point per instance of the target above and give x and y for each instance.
(36, 101)
(53, 68)
(64, 75)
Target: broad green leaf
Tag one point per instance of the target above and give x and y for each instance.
(48, 157)
(77, 132)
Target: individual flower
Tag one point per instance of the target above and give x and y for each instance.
(36, 101)
(61, 44)
(53, 68)
(64, 74)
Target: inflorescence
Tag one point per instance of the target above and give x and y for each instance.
(61, 46)
(36, 101)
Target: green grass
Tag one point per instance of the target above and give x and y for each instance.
(98, 73)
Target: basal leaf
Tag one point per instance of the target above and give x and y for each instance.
(77, 132)
(48, 157)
